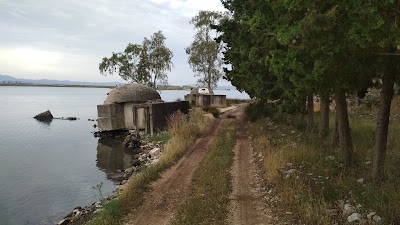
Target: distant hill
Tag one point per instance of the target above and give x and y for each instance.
(10, 79)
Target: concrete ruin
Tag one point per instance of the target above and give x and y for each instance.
(205, 97)
(136, 107)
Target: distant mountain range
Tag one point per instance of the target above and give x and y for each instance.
(13, 80)
(10, 79)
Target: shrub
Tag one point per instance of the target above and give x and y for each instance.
(213, 110)
(258, 110)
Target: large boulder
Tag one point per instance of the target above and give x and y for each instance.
(44, 116)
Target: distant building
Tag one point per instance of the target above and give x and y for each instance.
(136, 107)
(205, 97)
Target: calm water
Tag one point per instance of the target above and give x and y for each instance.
(47, 169)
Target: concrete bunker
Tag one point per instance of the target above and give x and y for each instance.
(205, 97)
(136, 107)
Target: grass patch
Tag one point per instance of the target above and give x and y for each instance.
(235, 101)
(208, 200)
(311, 181)
(213, 110)
(183, 131)
(163, 136)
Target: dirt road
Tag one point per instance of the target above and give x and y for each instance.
(172, 188)
(248, 205)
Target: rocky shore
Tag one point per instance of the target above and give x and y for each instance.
(146, 153)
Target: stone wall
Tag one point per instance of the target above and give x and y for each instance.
(160, 113)
(150, 117)
(110, 117)
(206, 100)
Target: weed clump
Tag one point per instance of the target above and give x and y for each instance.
(258, 110)
(213, 110)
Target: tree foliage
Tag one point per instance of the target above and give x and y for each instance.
(291, 49)
(147, 63)
(205, 51)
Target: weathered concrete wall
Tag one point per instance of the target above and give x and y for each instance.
(149, 117)
(160, 113)
(110, 117)
(129, 115)
(206, 100)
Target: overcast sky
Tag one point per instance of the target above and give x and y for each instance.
(66, 39)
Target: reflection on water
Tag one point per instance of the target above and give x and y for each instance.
(111, 157)
(45, 123)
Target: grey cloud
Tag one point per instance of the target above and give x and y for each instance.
(93, 29)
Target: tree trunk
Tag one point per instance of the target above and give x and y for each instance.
(345, 142)
(310, 112)
(324, 116)
(383, 125)
(335, 134)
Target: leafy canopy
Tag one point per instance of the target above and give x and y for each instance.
(146, 64)
(205, 57)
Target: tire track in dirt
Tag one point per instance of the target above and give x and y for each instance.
(171, 190)
(248, 205)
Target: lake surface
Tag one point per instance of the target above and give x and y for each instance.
(47, 169)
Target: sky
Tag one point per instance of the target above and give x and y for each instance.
(66, 39)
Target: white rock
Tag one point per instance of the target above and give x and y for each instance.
(129, 170)
(377, 218)
(98, 205)
(331, 158)
(78, 214)
(63, 222)
(354, 217)
(155, 152)
(75, 212)
(368, 162)
(289, 164)
(361, 180)
(348, 209)
(124, 182)
(155, 161)
(291, 171)
(97, 211)
(370, 215)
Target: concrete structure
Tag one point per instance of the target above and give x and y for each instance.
(205, 97)
(136, 107)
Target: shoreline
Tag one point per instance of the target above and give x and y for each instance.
(84, 86)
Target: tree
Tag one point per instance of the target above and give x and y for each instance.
(205, 51)
(147, 63)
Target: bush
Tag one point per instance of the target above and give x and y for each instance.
(213, 110)
(258, 110)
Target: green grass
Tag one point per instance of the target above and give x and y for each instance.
(320, 182)
(163, 136)
(208, 200)
(183, 131)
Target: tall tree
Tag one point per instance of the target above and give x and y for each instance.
(205, 57)
(147, 63)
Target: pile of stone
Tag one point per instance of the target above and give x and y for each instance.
(81, 215)
(354, 216)
(147, 154)
(77, 214)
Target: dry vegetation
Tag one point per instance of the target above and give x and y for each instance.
(182, 131)
(311, 183)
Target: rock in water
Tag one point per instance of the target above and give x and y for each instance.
(44, 116)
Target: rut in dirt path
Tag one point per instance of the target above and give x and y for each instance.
(248, 205)
(171, 190)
